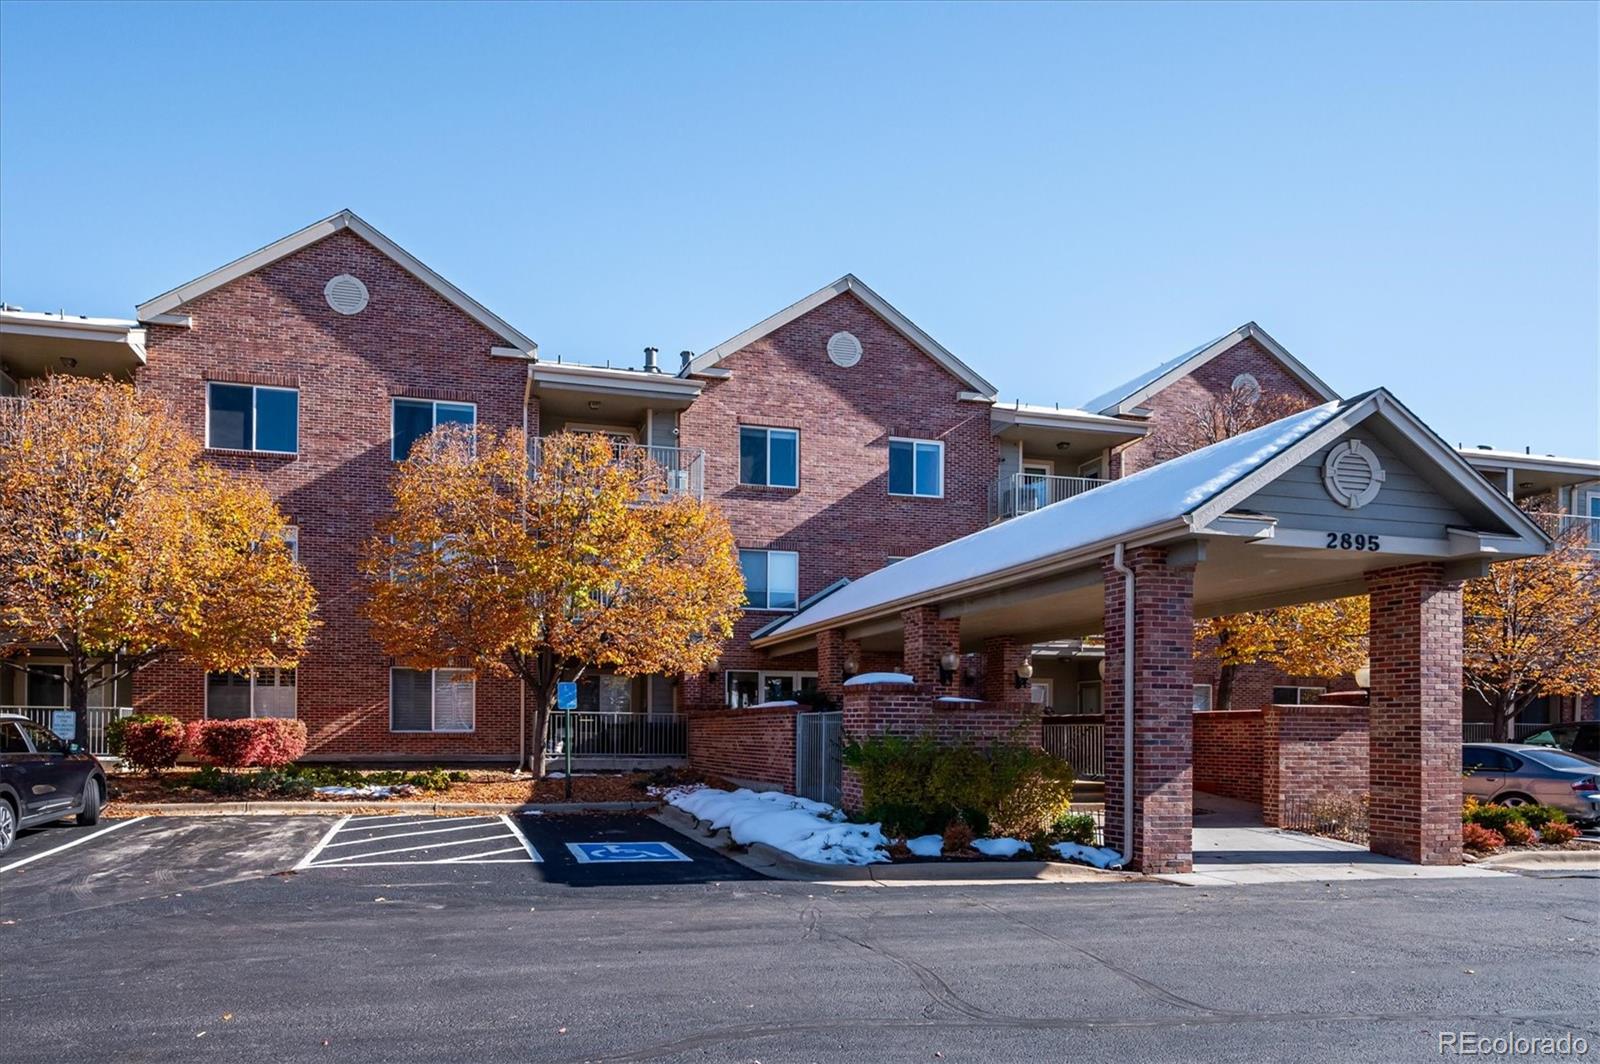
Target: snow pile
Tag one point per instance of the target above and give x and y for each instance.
(811, 831)
(368, 791)
(953, 698)
(878, 677)
(1001, 847)
(774, 705)
(926, 845)
(1098, 856)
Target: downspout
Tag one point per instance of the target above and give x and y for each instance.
(1127, 701)
(523, 757)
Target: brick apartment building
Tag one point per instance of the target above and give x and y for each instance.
(836, 435)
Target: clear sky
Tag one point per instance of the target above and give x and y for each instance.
(1403, 195)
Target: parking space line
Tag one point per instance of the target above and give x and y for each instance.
(305, 862)
(533, 854)
(397, 822)
(407, 849)
(408, 834)
(477, 856)
(79, 841)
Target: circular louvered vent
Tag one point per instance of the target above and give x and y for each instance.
(346, 294)
(1352, 474)
(844, 349)
(1247, 385)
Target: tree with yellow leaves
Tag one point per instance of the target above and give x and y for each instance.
(544, 565)
(1322, 639)
(1532, 629)
(119, 546)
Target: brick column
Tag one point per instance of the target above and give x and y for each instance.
(1001, 658)
(833, 649)
(927, 638)
(1415, 737)
(1163, 701)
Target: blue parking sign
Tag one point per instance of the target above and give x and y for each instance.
(566, 695)
(624, 852)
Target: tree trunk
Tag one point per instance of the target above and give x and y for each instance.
(544, 696)
(78, 701)
(1225, 686)
(1507, 709)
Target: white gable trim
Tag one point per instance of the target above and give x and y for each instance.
(701, 364)
(518, 344)
(1132, 403)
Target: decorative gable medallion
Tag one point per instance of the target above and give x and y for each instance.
(1352, 474)
(844, 349)
(346, 294)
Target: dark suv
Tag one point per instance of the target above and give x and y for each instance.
(43, 777)
(1578, 737)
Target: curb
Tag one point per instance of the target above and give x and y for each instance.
(343, 808)
(1533, 860)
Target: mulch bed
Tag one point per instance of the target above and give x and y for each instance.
(489, 786)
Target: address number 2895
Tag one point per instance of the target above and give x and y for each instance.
(1353, 541)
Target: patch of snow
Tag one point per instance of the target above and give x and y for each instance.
(953, 698)
(772, 705)
(812, 831)
(926, 845)
(878, 677)
(1098, 856)
(372, 790)
(1001, 847)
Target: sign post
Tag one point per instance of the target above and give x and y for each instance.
(567, 701)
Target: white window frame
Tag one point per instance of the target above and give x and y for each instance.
(751, 607)
(255, 416)
(1209, 698)
(1042, 693)
(1299, 693)
(1098, 466)
(433, 404)
(769, 430)
(915, 443)
(291, 536)
(277, 676)
(433, 704)
(761, 676)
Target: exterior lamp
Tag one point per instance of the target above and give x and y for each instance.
(850, 667)
(949, 662)
(1364, 677)
(1024, 674)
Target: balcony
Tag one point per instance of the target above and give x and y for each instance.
(1586, 529)
(661, 471)
(1022, 493)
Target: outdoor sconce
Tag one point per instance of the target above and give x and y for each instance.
(1102, 668)
(1364, 677)
(850, 668)
(1024, 674)
(949, 662)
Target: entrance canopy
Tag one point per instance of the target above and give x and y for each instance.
(1295, 511)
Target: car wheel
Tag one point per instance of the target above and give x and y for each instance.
(90, 813)
(8, 825)
(1514, 801)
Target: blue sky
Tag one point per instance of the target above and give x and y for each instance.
(1403, 195)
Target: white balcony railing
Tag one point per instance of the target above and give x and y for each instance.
(99, 717)
(1022, 493)
(665, 470)
(1561, 526)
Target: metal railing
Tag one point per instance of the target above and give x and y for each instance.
(617, 735)
(1475, 731)
(1335, 817)
(818, 752)
(1582, 526)
(661, 470)
(99, 717)
(1080, 745)
(1023, 493)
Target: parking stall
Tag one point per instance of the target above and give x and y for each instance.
(393, 841)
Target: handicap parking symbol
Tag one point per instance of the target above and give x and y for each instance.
(624, 852)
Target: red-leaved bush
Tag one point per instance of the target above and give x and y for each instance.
(1557, 832)
(149, 743)
(1517, 833)
(1479, 839)
(260, 742)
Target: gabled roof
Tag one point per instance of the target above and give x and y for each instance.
(879, 306)
(1163, 503)
(167, 302)
(1126, 397)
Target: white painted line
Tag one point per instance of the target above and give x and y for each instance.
(393, 822)
(305, 862)
(471, 858)
(79, 841)
(408, 849)
(411, 834)
(419, 864)
(533, 854)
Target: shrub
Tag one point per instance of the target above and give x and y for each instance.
(1493, 817)
(895, 771)
(1073, 827)
(962, 781)
(1537, 816)
(958, 837)
(147, 742)
(1517, 833)
(1032, 789)
(1557, 833)
(267, 742)
(1478, 839)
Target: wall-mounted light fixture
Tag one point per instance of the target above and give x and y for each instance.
(850, 667)
(1024, 674)
(949, 662)
(1364, 677)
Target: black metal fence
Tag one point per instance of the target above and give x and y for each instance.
(617, 735)
(1336, 817)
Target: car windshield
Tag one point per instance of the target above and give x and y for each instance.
(1561, 759)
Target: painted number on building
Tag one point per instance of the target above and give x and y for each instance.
(1353, 541)
(624, 852)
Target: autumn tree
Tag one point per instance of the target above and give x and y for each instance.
(542, 567)
(119, 546)
(1532, 629)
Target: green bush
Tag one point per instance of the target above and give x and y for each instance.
(1073, 827)
(1537, 816)
(1031, 790)
(895, 771)
(1493, 817)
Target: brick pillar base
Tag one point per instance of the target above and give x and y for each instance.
(1001, 659)
(833, 650)
(1163, 701)
(927, 638)
(1415, 737)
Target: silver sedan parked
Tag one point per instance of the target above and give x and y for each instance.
(1515, 774)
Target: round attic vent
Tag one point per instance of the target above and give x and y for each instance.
(844, 349)
(1352, 474)
(1247, 385)
(346, 294)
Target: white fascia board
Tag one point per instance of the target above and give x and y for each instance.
(1004, 417)
(615, 381)
(1479, 458)
(115, 331)
(1130, 404)
(879, 306)
(170, 300)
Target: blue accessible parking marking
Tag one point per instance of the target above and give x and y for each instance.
(624, 852)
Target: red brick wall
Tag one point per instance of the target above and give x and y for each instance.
(841, 519)
(745, 745)
(1312, 752)
(274, 327)
(1227, 754)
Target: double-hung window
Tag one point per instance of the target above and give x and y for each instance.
(916, 467)
(415, 418)
(261, 692)
(432, 700)
(771, 579)
(769, 457)
(252, 417)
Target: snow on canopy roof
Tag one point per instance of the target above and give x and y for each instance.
(1110, 398)
(1151, 497)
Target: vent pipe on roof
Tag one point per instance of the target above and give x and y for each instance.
(688, 357)
(650, 354)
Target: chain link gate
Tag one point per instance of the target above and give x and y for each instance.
(818, 739)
